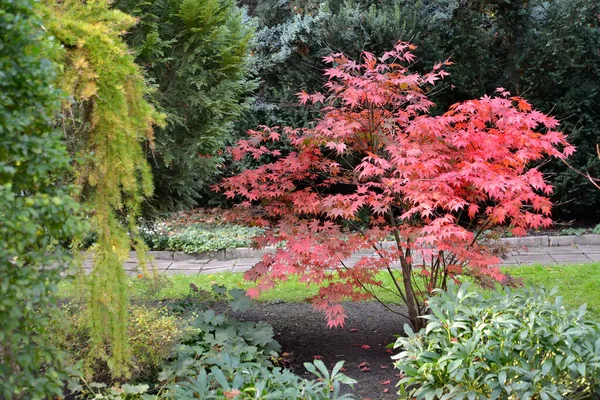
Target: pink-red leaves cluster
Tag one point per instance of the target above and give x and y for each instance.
(377, 165)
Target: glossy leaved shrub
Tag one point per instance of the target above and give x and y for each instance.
(511, 345)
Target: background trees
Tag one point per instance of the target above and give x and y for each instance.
(195, 55)
(547, 51)
(36, 214)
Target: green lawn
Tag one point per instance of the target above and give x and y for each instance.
(578, 284)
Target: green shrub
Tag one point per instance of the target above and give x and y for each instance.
(221, 357)
(37, 215)
(199, 238)
(153, 335)
(511, 345)
(239, 380)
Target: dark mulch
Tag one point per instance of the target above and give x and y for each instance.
(303, 333)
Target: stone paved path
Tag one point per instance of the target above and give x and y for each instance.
(533, 255)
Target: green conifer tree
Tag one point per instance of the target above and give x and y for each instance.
(195, 52)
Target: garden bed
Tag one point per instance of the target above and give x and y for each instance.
(361, 343)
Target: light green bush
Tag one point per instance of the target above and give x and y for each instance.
(512, 345)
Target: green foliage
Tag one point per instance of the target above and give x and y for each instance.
(221, 357)
(153, 334)
(199, 238)
(231, 378)
(36, 213)
(547, 51)
(105, 125)
(511, 345)
(572, 231)
(288, 50)
(195, 53)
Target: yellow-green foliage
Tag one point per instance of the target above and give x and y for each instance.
(106, 124)
(152, 333)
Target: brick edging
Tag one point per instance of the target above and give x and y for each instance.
(246, 252)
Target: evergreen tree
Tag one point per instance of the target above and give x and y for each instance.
(36, 214)
(546, 51)
(195, 53)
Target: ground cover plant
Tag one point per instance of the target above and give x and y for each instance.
(378, 165)
(198, 238)
(519, 344)
(192, 349)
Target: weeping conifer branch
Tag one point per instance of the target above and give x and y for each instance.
(106, 123)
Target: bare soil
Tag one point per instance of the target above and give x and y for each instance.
(361, 343)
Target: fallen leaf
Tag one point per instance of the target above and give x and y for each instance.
(354, 330)
(231, 394)
(386, 382)
(389, 351)
(385, 390)
(363, 364)
(383, 367)
(366, 346)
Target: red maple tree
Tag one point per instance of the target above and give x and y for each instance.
(376, 166)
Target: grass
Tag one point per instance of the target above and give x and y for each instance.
(577, 284)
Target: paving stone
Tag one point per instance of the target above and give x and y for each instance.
(244, 252)
(535, 259)
(571, 258)
(185, 265)
(181, 256)
(181, 272)
(216, 264)
(240, 268)
(250, 262)
(510, 260)
(589, 249)
(563, 250)
(529, 251)
(594, 256)
(162, 265)
(162, 255)
(531, 241)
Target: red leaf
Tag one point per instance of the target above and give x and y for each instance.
(365, 346)
(354, 330)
